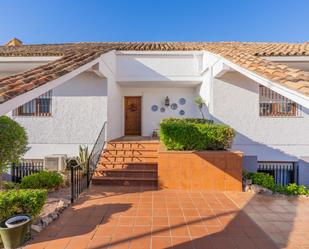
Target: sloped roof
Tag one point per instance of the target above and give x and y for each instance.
(73, 55)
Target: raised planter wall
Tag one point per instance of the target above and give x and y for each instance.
(200, 170)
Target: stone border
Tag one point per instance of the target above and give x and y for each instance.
(51, 211)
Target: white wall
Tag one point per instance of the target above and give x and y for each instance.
(156, 96)
(236, 103)
(114, 101)
(79, 110)
(158, 66)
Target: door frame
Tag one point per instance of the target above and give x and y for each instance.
(124, 113)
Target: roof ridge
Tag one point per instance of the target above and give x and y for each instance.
(245, 54)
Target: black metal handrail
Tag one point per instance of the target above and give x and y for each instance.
(81, 178)
(96, 152)
(79, 181)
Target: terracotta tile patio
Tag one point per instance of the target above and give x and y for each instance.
(128, 217)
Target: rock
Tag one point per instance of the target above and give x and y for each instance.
(46, 220)
(247, 188)
(266, 191)
(37, 228)
(256, 188)
(54, 215)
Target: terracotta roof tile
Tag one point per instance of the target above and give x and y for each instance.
(73, 55)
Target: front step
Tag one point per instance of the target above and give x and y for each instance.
(132, 145)
(125, 181)
(128, 163)
(129, 173)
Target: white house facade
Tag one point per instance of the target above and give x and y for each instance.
(271, 120)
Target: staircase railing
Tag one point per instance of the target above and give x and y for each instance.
(96, 152)
(81, 177)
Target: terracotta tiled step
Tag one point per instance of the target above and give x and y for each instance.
(131, 173)
(136, 166)
(124, 181)
(127, 156)
(117, 165)
(130, 159)
(133, 145)
(131, 152)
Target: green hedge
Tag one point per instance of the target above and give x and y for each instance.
(195, 134)
(23, 201)
(43, 179)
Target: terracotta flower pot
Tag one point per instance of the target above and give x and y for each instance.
(14, 235)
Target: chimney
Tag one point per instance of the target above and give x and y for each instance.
(14, 42)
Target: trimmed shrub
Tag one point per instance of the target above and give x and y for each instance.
(264, 180)
(43, 179)
(194, 134)
(23, 201)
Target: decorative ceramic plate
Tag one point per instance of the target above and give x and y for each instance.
(174, 106)
(182, 112)
(182, 101)
(162, 109)
(154, 108)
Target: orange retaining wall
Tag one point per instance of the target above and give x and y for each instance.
(200, 170)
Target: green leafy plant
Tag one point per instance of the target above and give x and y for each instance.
(264, 180)
(82, 159)
(23, 201)
(294, 189)
(182, 134)
(13, 143)
(10, 185)
(267, 181)
(200, 103)
(43, 179)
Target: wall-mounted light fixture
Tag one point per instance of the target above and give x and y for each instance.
(167, 101)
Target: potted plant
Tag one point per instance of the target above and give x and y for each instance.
(14, 230)
(17, 209)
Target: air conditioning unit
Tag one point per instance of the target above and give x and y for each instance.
(55, 162)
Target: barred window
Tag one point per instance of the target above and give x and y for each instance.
(273, 104)
(40, 106)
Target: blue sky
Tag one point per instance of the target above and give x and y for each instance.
(56, 21)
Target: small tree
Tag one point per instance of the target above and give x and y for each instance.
(200, 103)
(13, 143)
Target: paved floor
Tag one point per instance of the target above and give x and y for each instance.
(117, 217)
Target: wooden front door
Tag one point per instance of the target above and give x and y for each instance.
(132, 115)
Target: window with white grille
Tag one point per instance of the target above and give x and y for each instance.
(40, 106)
(273, 104)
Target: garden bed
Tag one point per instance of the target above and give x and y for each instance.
(195, 155)
(200, 170)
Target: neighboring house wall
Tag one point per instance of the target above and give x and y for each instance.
(156, 96)
(79, 110)
(236, 103)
